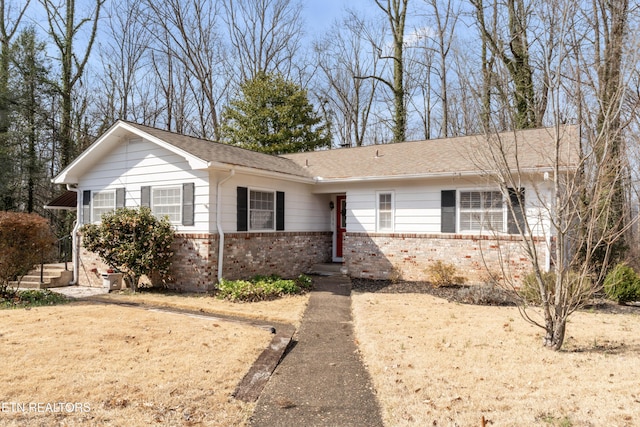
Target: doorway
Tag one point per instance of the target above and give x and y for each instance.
(341, 223)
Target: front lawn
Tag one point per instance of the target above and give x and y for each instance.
(435, 362)
(95, 364)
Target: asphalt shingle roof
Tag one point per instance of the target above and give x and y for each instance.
(225, 153)
(535, 149)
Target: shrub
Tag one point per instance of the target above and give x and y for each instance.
(622, 284)
(529, 291)
(444, 274)
(261, 288)
(31, 298)
(132, 241)
(485, 295)
(24, 241)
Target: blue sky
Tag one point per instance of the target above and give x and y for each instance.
(320, 14)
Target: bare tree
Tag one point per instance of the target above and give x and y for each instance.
(65, 28)
(445, 16)
(342, 56)
(265, 36)
(395, 12)
(123, 56)
(186, 34)
(611, 26)
(513, 50)
(574, 235)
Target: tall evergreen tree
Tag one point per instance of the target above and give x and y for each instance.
(30, 84)
(273, 116)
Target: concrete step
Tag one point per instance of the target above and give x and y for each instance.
(53, 276)
(328, 269)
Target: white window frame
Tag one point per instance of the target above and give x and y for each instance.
(482, 211)
(95, 217)
(250, 210)
(152, 205)
(390, 212)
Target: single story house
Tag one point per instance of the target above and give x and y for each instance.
(383, 211)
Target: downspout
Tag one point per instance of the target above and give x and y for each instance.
(75, 247)
(219, 222)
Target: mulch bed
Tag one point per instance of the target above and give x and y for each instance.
(477, 295)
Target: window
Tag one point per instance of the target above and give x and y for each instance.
(385, 211)
(167, 202)
(103, 202)
(481, 211)
(261, 210)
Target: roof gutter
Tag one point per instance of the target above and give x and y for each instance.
(219, 222)
(254, 171)
(321, 180)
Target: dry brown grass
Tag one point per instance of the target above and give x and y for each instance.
(288, 309)
(447, 364)
(127, 366)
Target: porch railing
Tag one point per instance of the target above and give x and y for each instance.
(62, 252)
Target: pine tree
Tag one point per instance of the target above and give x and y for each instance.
(273, 116)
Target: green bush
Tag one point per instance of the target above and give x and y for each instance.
(25, 239)
(622, 284)
(31, 298)
(132, 241)
(444, 274)
(260, 288)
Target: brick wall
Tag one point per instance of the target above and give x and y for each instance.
(380, 256)
(195, 261)
(285, 254)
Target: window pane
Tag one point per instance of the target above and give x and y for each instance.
(481, 210)
(103, 202)
(492, 200)
(385, 212)
(167, 201)
(261, 210)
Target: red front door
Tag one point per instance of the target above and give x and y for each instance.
(341, 223)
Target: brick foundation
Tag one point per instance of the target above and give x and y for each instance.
(285, 254)
(381, 256)
(195, 262)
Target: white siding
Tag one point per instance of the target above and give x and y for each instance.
(137, 163)
(417, 204)
(304, 211)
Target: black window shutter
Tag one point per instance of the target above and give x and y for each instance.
(188, 199)
(448, 211)
(515, 217)
(120, 195)
(86, 206)
(242, 209)
(279, 210)
(145, 196)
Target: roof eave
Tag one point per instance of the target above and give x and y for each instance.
(261, 172)
(433, 175)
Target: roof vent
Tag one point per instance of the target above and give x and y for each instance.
(306, 162)
(378, 154)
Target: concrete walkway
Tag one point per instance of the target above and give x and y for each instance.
(75, 291)
(321, 381)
